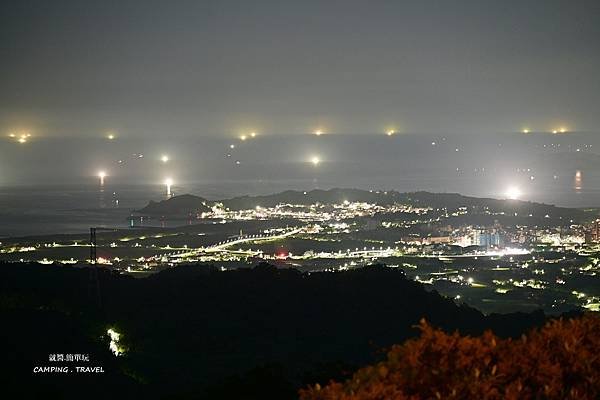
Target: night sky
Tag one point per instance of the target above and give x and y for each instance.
(108, 107)
(78, 68)
(187, 79)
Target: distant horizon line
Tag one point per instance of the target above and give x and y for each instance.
(325, 133)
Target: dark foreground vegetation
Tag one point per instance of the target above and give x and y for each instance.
(559, 361)
(198, 332)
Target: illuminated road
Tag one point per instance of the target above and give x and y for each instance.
(223, 247)
(251, 238)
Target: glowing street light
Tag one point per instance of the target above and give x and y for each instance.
(318, 132)
(513, 193)
(253, 134)
(555, 131)
(525, 130)
(243, 137)
(101, 176)
(168, 184)
(391, 132)
(164, 158)
(562, 130)
(114, 342)
(110, 136)
(315, 160)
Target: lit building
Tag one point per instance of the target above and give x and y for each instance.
(487, 238)
(592, 234)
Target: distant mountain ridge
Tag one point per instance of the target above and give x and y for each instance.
(182, 205)
(187, 204)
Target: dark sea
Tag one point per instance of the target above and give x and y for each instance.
(50, 185)
(55, 209)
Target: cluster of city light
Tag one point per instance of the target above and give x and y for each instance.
(324, 220)
(312, 212)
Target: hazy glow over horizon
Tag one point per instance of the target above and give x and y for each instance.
(513, 193)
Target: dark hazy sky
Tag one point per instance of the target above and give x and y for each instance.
(218, 67)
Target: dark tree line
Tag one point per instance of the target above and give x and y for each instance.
(198, 332)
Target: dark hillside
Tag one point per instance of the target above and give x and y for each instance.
(182, 205)
(192, 329)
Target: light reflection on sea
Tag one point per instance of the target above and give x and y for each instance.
(41, 210)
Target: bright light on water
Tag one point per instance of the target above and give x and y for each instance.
(513, 193)
(169, 183)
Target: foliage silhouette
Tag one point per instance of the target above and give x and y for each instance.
(195, 331)
(559, 361)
